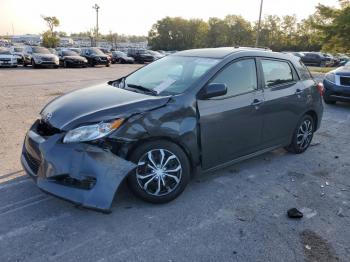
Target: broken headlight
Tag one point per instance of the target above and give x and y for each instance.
(91, 132)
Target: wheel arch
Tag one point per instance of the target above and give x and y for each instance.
(314, 116)
(167, 139)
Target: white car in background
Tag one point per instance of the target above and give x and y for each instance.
(7, 59)
(18, 51)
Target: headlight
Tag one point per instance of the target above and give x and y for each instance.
(331, 77)
(92, 132)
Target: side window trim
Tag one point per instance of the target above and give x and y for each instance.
(258, 77)
(278, 86)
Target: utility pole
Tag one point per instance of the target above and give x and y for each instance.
(259, 25)
(96, 7)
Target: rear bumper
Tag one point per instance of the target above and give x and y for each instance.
(81, 173)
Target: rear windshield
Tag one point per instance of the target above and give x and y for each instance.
(304, 72)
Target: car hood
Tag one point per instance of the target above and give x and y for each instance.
(6, 56)
(95, 104)
(44, 55)
(78, 58)
(106, 56)
(343, 71)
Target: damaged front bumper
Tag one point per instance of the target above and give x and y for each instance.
(81, 173)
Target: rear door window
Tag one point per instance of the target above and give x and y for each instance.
(276, 72)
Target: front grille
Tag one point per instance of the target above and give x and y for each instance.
(5, 59)
(345, 81)
(45, 129)
(47, 59)
(32, 162)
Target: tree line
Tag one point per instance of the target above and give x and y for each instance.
(328, 29)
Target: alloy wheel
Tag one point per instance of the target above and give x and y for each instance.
(304, 134)
(159, 172)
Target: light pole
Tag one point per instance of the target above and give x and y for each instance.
(96, 7)
(259, 24)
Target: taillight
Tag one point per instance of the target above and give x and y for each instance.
(320, 88)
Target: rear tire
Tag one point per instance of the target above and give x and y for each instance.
(162, 173)
(302, 135)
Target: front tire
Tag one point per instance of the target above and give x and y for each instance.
(302, 135)
(162, 173)
(34, 64)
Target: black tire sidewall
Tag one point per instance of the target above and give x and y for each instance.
(293, 146)
(185, 176)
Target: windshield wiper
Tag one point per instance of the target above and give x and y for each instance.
(153, 92)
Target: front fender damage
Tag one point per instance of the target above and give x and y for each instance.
(66, 167)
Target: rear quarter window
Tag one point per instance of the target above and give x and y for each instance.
(276, 72)
(303, 71)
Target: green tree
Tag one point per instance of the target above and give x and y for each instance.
(335, 27)
(50, 38)
(239, 31)
(50, 41)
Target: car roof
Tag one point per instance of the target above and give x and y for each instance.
(223, 52)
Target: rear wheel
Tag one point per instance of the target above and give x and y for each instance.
(162, 172)
(303, 135)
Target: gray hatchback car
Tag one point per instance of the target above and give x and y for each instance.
(194, 110)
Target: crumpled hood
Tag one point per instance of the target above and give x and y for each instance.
(95, 104)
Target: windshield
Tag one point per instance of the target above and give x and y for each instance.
(172, 74)
(18, 49)
(69, 53)
(40, 50)
(348, 64)
(4, 52)
(96, 51)
(118, 53)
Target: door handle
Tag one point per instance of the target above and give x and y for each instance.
(257, 102)
(298, 91)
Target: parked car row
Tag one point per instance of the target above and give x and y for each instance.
(321, 59)
(38, 56)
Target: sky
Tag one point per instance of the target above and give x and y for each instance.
(135, 17)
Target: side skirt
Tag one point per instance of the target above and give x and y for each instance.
(242, 158)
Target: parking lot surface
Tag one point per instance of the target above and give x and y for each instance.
(236, 214)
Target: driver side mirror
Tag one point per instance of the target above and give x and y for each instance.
(213, 90)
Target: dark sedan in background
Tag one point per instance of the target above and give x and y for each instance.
(121, 58)
(315, 59)
(337, 85)
(141, 56)
(95, 56)
(70, 58)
